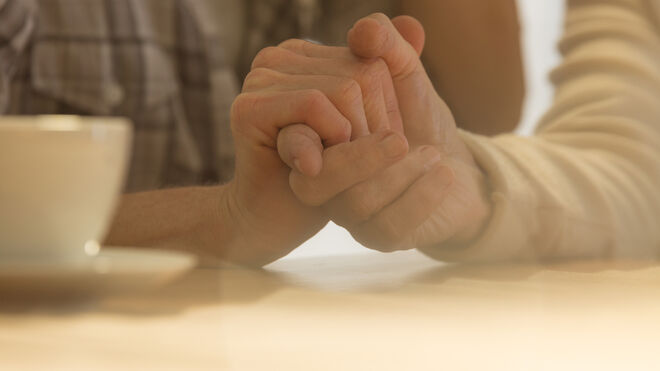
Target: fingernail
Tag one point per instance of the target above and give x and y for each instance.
(297, 165)
(393, 145)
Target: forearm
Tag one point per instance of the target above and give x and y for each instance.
(192, 219)
(212, 223)
(586, 184)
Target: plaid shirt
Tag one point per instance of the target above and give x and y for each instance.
(158, 62)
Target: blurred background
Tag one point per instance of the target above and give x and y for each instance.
(540, 28)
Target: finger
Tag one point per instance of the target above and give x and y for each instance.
(262, 114)
(348, 164)
(310, 49)
(375, 36)
(343, 92)
(393, 228)
(368, 75)
(359, 203)
(300, 148)
(391, 104)
(411, 30)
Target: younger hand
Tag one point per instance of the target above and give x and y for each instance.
(337, 97)
(437, 194)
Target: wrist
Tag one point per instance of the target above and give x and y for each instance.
(232, 233)
(258, 229)
(214, 233)
(480, 214)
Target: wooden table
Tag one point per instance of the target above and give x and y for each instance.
(372, 311)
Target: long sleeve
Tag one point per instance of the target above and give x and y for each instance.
(17, 22)
(587, 184)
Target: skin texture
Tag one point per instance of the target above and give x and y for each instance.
(474, 58)
(256, 218)
(319, 134)
(437, 193)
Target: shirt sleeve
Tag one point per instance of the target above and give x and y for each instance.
(17, 22)
(587, 184)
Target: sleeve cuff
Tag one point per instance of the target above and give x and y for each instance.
(506, 236)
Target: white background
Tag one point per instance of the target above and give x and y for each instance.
(541, 23)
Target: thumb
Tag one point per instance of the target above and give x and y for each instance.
(412, 31)
(299, 146)
(378, 36)
(399, 43)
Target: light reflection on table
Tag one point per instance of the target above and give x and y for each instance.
(363, 311)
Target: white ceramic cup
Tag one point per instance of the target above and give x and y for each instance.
(60, 179)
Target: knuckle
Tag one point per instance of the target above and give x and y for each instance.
(315, 99)
(317, 104)
(242, 111)
(293, 44)
(267, 56)
(380, 16)
(240, 107)
(290, 43)
(258, 77)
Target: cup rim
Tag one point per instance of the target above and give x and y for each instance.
(62, 123)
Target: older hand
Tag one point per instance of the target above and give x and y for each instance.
(448, 203)
(437, 193)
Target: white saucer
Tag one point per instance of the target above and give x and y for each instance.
(112, 270)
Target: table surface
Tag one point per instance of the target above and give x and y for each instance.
(399, 311)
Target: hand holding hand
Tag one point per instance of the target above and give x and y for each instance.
(306, 102)
(436, 193)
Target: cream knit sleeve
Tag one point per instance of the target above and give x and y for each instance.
(588, 183)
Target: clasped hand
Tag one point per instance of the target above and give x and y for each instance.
(356, 135)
